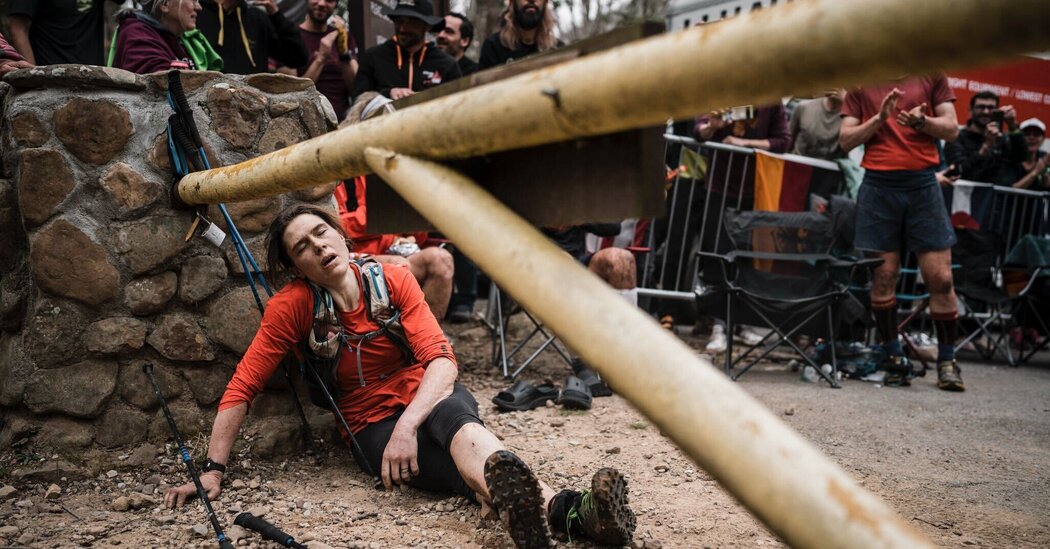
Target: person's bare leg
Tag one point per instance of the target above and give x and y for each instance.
(936, 269)
(433, 268)
(616, 267)
(471, 446)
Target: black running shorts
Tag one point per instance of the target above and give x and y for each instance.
(437, 471)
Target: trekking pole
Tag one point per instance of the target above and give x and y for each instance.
(224, 542)
(355, 447)
(266, 530)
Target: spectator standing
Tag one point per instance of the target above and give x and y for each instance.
(814, 126)
(333, 53)
(150, 40)
(53, 32)
(455, 38)
(248, 36)
(10, 59)
(900, 208)
(766, 129)
(1030, 173)
(982, 148)
(406, 63)
(527, 28)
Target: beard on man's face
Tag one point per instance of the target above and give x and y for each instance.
(529, 16)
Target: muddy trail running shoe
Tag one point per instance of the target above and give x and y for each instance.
(601, 513)
(949, 377)
(898, 372)
(517, 496)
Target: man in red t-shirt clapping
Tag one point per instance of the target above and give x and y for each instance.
(900, 208)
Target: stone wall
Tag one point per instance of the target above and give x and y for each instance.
(95, 275)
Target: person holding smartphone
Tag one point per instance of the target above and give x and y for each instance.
(989, 141)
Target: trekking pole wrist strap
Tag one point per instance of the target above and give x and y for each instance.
(211, 465)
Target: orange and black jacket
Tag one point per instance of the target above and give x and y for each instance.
(388, 66)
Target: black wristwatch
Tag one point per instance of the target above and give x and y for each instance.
(210, 465)
(922, 122)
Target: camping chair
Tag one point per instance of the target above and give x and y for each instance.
(989, 304)
(779, 274)
(497, 316)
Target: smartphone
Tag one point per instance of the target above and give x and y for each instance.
(997, 117)
(745, 112)
(953, 171)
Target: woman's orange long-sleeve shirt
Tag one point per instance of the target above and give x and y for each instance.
(288, 319)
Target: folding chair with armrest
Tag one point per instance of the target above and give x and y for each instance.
(779, 274)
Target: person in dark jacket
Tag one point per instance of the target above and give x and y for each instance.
(148, 40)
(527, 27)
(406, 63)
(247, 36)
(989, 142)
(455, 38)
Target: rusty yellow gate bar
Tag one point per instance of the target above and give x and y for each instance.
(791, 49)
(800, 494)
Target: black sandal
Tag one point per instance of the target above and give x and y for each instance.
(524, 396)
(575, 394)
(594, 382)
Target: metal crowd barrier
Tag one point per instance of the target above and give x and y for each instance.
(681, 240)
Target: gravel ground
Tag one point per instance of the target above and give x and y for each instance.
(965, 469)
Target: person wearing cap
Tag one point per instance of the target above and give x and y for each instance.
(406, 63)
(160, 37)
(989, 140)
(527, 28)
(1031, 172)
(455, 38)
(247, 35)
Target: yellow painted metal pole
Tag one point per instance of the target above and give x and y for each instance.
(797, 48)
(783, 479)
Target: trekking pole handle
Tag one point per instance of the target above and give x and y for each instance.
(266, 530)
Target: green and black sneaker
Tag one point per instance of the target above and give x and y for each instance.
(518, 498)
(601, 513)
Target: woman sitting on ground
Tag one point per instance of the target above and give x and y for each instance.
(415, 424)
(162, 36)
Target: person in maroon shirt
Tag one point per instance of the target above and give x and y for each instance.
(10, 59)
(415, 424)
(148, 40)
(333, 55)
(900, 207)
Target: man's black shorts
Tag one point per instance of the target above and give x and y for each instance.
(437, 471)
(902, 211)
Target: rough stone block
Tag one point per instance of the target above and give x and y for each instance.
(201, 276)
(115, 335)
(250, 216)
(128, 189)
(78, 390)
(136, 389)
(233, 320)
(79, 77)
(151, 242)
(45, 180)
(28, 130)
(62, 432)
(52, 337)
(121, 426)
(93, 131)
(208, 383)
(149, 294)
(67, 262)
(280, 133)
(278, 83)
(236, 114)
(179, 338)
